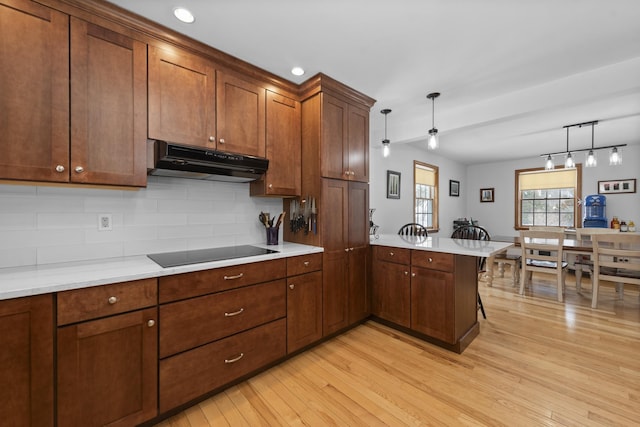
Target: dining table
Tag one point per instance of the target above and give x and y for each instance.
(572, 247)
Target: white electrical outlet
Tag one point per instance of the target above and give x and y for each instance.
(105, 222)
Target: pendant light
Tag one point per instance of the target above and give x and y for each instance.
(591, 160)
(433, 142)
(569, 163)
(549, 166)
(615, 158)
(385, 141)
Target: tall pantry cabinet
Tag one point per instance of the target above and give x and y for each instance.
(335, 172)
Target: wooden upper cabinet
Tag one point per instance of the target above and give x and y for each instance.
(26, 356)
(345, 140)
(282, 147)
(34, 92)
(181, 98)
(108, 107)
(240, 115)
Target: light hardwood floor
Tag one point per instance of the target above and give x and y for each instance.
(536, 362)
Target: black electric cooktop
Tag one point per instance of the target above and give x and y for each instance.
(174, 259)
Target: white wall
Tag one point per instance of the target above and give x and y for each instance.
(391, 214)
(498, 217)
(47, 224)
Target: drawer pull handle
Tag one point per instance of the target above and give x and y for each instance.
(151, 323)
(112, 300)
(234, 313)
(306, 263)
(237, 276)
(235, 359)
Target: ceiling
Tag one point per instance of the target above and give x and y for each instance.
(511, 73)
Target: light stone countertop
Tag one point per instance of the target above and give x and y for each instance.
(46, 278)
(480, 248)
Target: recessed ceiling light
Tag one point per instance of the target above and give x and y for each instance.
(184, 15)
(297, 71)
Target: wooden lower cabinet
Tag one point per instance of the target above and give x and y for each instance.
(304, 310)
(391, 293)
(191, 374)
(427, 316)
(26, 361)
(358, 292)
(107, 370)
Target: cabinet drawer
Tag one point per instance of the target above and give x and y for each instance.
(190, 323)
(391, 254)
(99, 301)
(199, 371)
(433, 260)
(304, 264)
(182, 286)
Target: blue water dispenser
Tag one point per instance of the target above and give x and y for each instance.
(595, 214)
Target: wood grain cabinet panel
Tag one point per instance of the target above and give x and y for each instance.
(304, 310)
(240, 115)
(283, 139)
(196, 321)
(108, 107)
(191, 374)
(391, 292)
(26, 361)
(181, 98)
(107, 371)
(304, 264)
(391, 254)
(432, 303)
(34, 92)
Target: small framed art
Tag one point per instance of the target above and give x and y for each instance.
(454, 188)
(486, 195)
(617, 186)
(393, 185)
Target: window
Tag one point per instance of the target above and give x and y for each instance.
(548, 198)
(425, 194)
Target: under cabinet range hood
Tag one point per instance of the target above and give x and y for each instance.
(185, 161)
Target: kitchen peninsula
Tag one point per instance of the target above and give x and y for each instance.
(428, 286)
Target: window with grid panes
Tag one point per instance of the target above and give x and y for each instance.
(548, 198)
(425, 179)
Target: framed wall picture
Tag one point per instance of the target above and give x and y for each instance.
(617, 186)
(454, 188)
(486, 195)
(393, 185)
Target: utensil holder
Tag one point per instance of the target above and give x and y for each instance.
(272, 235)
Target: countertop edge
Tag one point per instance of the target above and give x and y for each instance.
(17, 282)
(480, 248)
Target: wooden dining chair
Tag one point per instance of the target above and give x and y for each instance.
(542, 253)
(584, 262)
(413, 229)
(616, 258)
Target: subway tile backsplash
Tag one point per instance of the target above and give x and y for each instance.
(49, 224)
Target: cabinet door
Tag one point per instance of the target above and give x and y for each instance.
(358, 226)
(181, 98)
(34, 92)
(282, 147)
(108, 107)
(304, 310)
(358, 289)
(240, 119)
(334, 159)
(358, 232)
(391, 293)
(108, 371)
(432, 300)
(26, 361)
(358, 144)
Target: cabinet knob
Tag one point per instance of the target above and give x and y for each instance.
(291, 286)
(430, 259)
(352, 173)
(151, 323)
(406, 273)
(391, 254)
(112, 300)
(306, 263)
(413, 274)
(346, 173)
(221, 141)
(346, 249)
(59, 168)
(212, 139)
(351, 249)
(79, 169)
